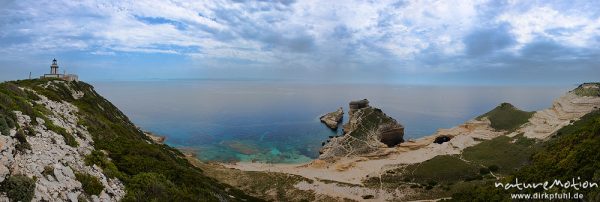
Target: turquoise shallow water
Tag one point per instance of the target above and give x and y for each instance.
(278, 121)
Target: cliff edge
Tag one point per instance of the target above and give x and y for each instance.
(62, 141)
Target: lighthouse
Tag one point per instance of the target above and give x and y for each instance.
(54, 73)
(54, 67)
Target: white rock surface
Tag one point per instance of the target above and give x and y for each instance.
(48, 148)
(547, 122)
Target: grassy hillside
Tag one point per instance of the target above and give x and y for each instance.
(151, 172)
(444, 175)
(572, 153)
(507, 117)
(588, 89)
(504, 153)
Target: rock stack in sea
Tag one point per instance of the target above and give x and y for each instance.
(368, 130)
(333, 119)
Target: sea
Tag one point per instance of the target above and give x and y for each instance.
(278, 121)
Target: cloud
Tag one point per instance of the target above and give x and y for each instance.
(375, 38)
(487, 40)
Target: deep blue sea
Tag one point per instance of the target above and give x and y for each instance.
(273, 121)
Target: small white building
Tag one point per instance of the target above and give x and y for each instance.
(54, 73)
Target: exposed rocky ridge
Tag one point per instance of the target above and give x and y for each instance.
(155, 138)
(333, 119)
(48, 149)
(564, 110)
(367, 130)
(73, 144)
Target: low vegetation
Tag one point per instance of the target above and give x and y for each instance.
(444, 175)
(91, 185)
(22, 144)
(151, 187)
(18, 188)
(271, 186)
(108, 167)
(6, 123)
(133, 158)
(588, 89)
(502, 154)
(507, 117)
(444, 168)
(48, 171)
(571, 154)
(68, 137)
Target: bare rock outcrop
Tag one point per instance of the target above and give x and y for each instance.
(50, 160)
(333, 119)
(368, 129)
(357, 104)
(566, 108)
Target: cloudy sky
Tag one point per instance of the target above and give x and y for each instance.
(418, 42)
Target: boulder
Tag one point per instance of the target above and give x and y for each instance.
(333, 119)
(391, 134)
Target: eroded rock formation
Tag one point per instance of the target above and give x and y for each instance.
(333, 119)
(571, 106)
(367, 130)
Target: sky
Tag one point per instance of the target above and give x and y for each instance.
(406, 42)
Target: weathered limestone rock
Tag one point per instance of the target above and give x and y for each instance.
(333, 119)
(547, 122)
(367, 131)
(48, 149)
(155, 138)
(391, 134)
(3, 172)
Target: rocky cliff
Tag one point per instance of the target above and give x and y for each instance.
(333, 119)
(368, 129)
(571, 106)
(61, 141)
(467, 157)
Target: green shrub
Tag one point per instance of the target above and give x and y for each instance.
(32, 96)
(484, 171)
(4, 128)
(588, 91)
(19, 188)
(444, 169)
(510, 153)
(69, 139)
(493, 168)
(109, 169)
(48, 170)
(151, 187)
(91, 185)
(30, 131)
(82, 198)
(22, 144)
